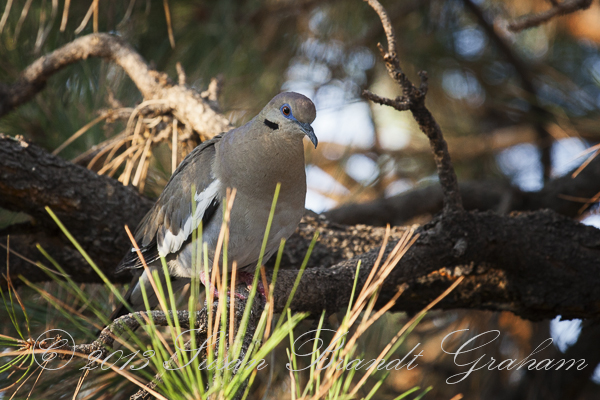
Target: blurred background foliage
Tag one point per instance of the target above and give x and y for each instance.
(479, 92)
(327, 51)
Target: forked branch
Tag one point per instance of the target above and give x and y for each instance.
(413, 99)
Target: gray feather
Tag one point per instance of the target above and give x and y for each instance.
(174, 206)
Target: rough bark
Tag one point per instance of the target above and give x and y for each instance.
(527, 263)
(94, 208)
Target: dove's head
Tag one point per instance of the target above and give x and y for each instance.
(291, 113)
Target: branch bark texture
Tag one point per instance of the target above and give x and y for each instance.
(527, 263)
(94, 208)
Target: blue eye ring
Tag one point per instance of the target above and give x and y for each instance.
(286, 110)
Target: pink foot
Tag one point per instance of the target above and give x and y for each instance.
(206, 282)
(247, 278)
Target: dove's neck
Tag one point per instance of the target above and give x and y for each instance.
(275, 157)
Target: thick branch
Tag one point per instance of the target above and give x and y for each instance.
(187, 105)
(528, 264)
(537, 265)
(94, 208)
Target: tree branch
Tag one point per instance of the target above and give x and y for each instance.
(133, 321)
(413, 99)
(562, 8)
(528, 263)
(187, 105)
(94, 208)
(565, 195)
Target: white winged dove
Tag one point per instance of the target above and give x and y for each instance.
(252, 159)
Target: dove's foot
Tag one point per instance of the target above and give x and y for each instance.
(247, 279)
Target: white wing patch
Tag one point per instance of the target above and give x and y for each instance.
(172, 243)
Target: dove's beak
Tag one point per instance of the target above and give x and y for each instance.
(308, 131)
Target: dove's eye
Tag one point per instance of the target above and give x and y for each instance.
(286, 110)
